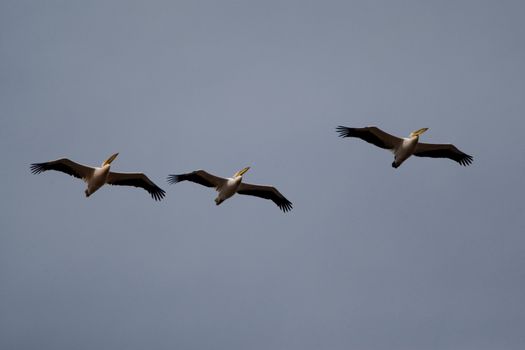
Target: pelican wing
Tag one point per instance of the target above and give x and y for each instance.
(200, 177)
(442, 151)
(137, 180)
(371, 134)
(266, 192)
(64, 165)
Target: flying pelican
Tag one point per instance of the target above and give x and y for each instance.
(407, 146)
(98, 176)
(228, 187)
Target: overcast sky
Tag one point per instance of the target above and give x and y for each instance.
(427, 256)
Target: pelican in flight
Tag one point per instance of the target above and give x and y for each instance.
(403, 148)
(228, 187)
(96, 177)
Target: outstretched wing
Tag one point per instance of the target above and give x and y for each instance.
(266, 192)
(64, 165)
(443, 151)
(137, 180)
(371, 134)
(200, 177)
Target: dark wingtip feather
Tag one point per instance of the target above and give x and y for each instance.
(286, 206)
(173, 179)
(343, 131)
(466, 160)
(37, 168)
(158, 194)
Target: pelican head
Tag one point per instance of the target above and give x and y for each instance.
(110, 159)
(418, 132)
(241, 172)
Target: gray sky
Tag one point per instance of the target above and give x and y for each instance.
(428, 256)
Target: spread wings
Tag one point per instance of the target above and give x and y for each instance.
(64, 165)
(266, 192)
(371, 134)
(200, 177)
(137, 180)
(442, 151)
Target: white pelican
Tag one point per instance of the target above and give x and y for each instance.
(407, 146)
(98, 176)
(228, 187)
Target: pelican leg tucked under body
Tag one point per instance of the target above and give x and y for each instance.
(403, 148)
(96, 177)
(227, 187)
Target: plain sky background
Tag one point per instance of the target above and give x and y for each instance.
(428, 256)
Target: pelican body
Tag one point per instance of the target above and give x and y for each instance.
(407, 147)
(227, 187)
(403, 148)
(96, 177)
(99, 177)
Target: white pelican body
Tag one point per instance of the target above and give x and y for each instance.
(97, 180)
(227, 187)
(96, 177)
(403, 148)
